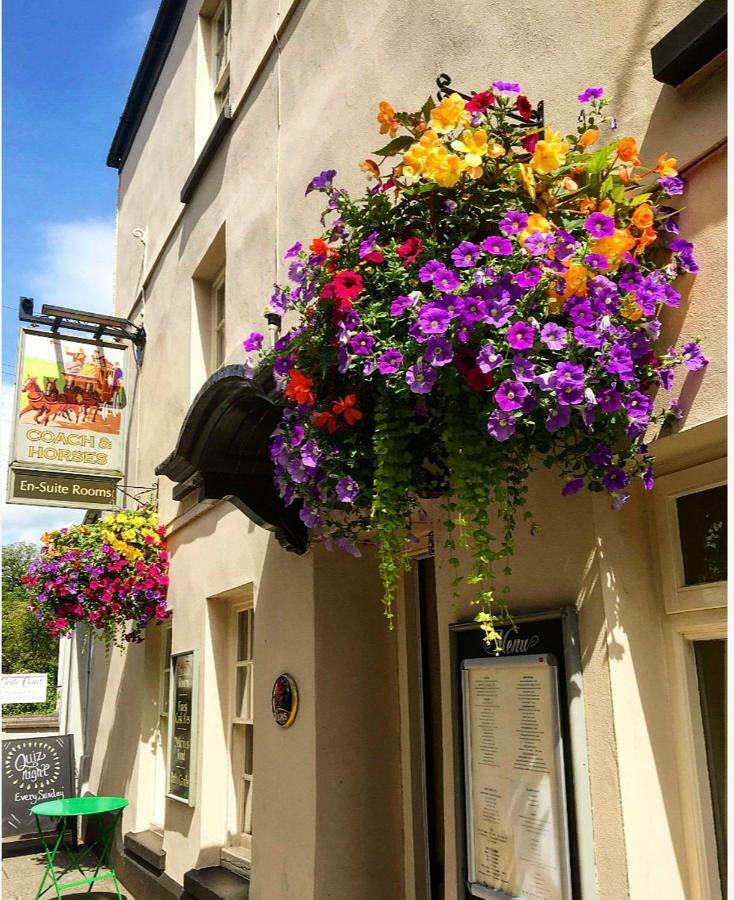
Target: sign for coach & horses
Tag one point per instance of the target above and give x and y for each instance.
(69, 421)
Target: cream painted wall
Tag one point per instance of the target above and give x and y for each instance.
(329, 788)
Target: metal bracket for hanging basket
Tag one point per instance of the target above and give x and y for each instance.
(535, 122)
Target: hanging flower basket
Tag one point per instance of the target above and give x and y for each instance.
(490, 303)
(110, 575)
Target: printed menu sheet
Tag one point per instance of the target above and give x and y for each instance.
(517, 833)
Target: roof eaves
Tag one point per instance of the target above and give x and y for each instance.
(154, 57)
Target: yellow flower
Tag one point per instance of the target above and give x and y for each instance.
(386, 118)
(449, 114)
(614, 245)
(536, 222)
(129, 534)
(629, 308)
(527, 180)
(444, 168)
(416, 156)
(495, 150)
(665, 166)
(549, 153)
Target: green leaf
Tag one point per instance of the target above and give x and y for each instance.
(397, 145)
(427, 107)
(639, 198)
(595, 162)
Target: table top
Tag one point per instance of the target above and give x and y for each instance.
(78, 806)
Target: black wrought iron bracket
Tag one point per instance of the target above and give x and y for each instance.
(98, 325)
(535, 122)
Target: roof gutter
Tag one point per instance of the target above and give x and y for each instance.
(154, 57)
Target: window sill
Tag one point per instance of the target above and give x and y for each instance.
(208, 152)
(237, 860)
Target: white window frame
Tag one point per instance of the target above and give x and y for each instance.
(220, 52)
(219, 323)
(678, 596)
(694, 613)
(240, 841)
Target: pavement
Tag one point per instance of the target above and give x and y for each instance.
(22, 876)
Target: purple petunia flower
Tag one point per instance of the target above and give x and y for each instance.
(581, 313)
(489, 358)
(599, 225)
(309, 517)
(279, 301)
(609, 400)
(521, 336)
(446, 280)
(639, 406)
(297, 436)
(587, 337)
(400, 304)
(601, 456)
(311, 454)
(597, 261)
(537, 243)
(322, 181)
(509, 395)
(513, 222)
(368, 245)
(648, 478)
(528, 278)
(500, 425)
(693, 358)
(498, 312)
(523, 369)
(591, 93)
(293, 251)
(465, 254)
(429, 269)
(438, 351)
(347, 489)
(553, 336)
(506, 87)
(558, 418)
(497, 246)
(362, 343)
(672, 185)
(572, 487)
(471, 309)
(619, 362)
(433, 320)
(615, 479)
(389, 362)
(421, 378)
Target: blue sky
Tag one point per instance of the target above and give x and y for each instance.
(67, 70)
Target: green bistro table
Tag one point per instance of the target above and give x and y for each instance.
(69, 808)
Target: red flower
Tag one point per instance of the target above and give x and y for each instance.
(375, 257)
(347, 285)
(410, 250)
(325, 420)
(319, 248)
(328, 290)
(478, 380)
(529, 142)
(346, 407)
(479, 102)
(299, 388)
(523, 107)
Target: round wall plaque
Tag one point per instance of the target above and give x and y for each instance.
(285, 700)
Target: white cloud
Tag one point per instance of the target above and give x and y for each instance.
(76, 265)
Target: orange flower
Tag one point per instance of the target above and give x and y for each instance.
(629, 308)
(576, 277)
(587, 205)
(627, 151)
(346, 407)
(605, 204)
(386, 118)
(319, 247)
(665, 166)
(299, 388)
(643, 216)
(371, 168)
(588, 138)
(555, 302)
(647, 237)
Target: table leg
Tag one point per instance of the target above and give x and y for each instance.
(50, 857)
(105, 852)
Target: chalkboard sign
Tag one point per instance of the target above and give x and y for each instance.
(182, 735)
(34, 770)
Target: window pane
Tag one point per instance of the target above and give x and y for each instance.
(243, 635)
(166, 687)
(243, 709)
(248, 750)
(702, 528)
(246, 806)
(711, 666)
(167, 649)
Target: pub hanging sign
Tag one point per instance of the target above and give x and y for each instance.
(69, 421)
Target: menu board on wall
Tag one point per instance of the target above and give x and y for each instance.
(515, 792)
(182, 735)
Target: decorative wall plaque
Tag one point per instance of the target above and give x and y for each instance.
(285, 700)
(517, 834)
(182, 725)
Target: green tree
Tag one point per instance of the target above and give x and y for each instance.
(27, 646)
